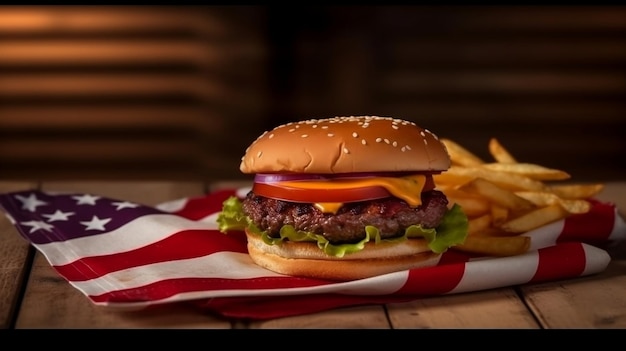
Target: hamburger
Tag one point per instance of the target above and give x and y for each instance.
(345, 198)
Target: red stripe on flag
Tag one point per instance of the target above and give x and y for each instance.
(566, 260)
(432, 280)
(593, 227)
(170, 287)
(454, 256)
(182, 245)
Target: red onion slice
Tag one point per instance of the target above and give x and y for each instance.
(270, 178)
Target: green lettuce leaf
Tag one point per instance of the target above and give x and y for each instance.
(452, 231)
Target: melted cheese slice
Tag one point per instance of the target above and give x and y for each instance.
(407, 188)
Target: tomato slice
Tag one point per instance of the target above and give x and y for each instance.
(277, 191)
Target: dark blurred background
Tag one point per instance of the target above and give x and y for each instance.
(151, 92)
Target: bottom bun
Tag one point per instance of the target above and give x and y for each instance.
(305, 259)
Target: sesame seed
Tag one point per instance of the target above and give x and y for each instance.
(354, 134)
(330, 134)
(394, 126)
(395, 143)
(292, 130)
(403, 149)
(408, 147)
(346, 151)
(271, 136)
(386, 141)
(363, 142)
(378, 140)
(304, 135)
(258, 155)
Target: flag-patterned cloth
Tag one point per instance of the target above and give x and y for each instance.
(123, 254)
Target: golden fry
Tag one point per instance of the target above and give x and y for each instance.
(472, 206)
(497, 195)
(499, 153)
(535, 219)
(530, 170)
(460, 155)
(499, 214)
(545, 199)
(495, 246)
(479, 224)
(576, 191)
(508, 181)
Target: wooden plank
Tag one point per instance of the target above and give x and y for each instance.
(53, 303)
(596, 301)
(365, 317)
(615, 192)
(110, 52)
(90, 85)
(495, 113)
(229, 184)
(502, 82)
(115, 52)
(565, 19)
(94, 19)
(484, 51)
(14, 260)
(144, 192)
(144, 117)
(499, 308)
(111, 149)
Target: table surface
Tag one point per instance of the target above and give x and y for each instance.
(33, 295)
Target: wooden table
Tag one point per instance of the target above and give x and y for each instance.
(33, 295)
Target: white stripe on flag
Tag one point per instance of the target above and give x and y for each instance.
(173, 206)
(224, 265)
(498, 272)
(596, 259)
(135, 234)
(210, 220)
(619, 228)
(545, 236)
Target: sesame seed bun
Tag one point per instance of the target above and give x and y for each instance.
(345, 145)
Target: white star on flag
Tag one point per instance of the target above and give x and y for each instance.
(30, 203)
(124, 204)
(36, 225)
(58, 216)
(86, 199)
(96, 223)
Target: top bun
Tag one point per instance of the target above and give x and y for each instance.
(346, 145)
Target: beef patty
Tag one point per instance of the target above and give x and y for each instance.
(390, 215)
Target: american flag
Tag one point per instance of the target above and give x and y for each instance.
(123, 254)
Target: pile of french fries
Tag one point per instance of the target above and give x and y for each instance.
(506, 198)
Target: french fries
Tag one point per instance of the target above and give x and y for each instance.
(499, 153)
(461, 155)
(495, 246)
(504, 198)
